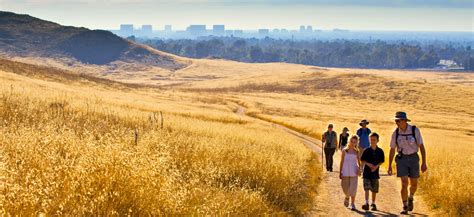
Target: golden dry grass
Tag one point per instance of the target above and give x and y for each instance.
(440, 104)
(69, 147)
(201, 97)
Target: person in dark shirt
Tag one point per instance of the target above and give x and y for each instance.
(343, 138)
(372, 158)
(330, 146)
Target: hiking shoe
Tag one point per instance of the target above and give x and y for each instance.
(373, 207)
(365, 206)
(346, 202)
(353, 207)
(404, 211)
(410, 204)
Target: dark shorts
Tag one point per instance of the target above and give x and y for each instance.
(408, 166)
(371, 185)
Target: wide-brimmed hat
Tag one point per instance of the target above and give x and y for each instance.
(345, 129)
(401, 116)
(364, 122)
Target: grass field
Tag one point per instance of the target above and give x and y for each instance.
(70, 143)
(440, 104)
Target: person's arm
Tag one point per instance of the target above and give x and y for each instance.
(422, 150)
(393, 145)
(341, 164)
(390, 159)
(423, 158)
(340, 139)
(363, 160)
(335, 142)
(359, 165)
(323, 139)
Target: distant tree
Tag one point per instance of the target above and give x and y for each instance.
(256, 54)
(336, 53)
(131, 38)
(202, 49)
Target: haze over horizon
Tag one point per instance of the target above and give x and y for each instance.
(397, 15)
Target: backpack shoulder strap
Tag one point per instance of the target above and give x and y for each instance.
(397, 133)
(413, 133)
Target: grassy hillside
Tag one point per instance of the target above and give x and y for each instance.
(24, 35)
(74, 145)
(307, 99)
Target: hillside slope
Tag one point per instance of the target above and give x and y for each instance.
(24, 35)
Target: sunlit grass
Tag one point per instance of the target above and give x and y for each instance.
(66, 151)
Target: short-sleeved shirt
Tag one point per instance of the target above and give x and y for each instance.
(343, 139)
(374, 157)
(406, 143)
(330, 139)
(363, 134)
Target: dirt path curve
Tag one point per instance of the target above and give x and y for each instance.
(329, 201)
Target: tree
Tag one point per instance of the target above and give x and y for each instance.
(256, 54)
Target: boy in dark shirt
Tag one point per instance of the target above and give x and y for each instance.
(372, 157)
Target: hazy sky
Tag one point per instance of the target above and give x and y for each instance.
(411, 15)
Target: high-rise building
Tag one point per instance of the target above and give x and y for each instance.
(168, 28)
(196, 30)
(147, 30)
(309, 29)
(218, 30)
(302, 29)
(126, 30)
(263, 32)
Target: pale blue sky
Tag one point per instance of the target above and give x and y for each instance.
(411, 15)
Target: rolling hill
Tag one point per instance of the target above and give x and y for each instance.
(27, 36)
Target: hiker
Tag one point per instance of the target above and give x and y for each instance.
(406, 139)
(350, 171)
(343, 138)
(330, 142)
(372, 158)
(363, 132)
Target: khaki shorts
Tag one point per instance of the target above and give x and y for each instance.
(349, 185)
(371, 185)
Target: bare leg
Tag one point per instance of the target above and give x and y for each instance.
(367, 196)
(413, 186)
(404, 191)
(373, 197)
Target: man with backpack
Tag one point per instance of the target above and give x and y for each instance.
(407, 140)
(330, 144)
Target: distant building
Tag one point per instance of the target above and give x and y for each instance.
(284, 31)
(196, 30)
(276, 31)
(126, 30)
(168, 28)
(218, 30)
(263, 32)
(302, 29)
(309, 29)
(340, 30)
(238, 32)
(147, 30)
(229, 32)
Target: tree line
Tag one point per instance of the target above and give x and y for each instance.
(336, 53)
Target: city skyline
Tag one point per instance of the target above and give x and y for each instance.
(397, 15)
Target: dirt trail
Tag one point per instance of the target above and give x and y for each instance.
(329, 201)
